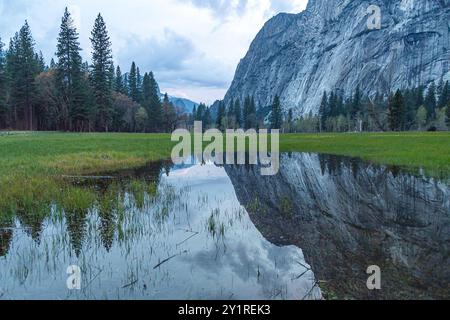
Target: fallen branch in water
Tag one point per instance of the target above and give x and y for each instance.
(167, 260)
(195, 234)
(130, 284)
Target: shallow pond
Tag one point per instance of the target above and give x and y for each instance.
(212, 232)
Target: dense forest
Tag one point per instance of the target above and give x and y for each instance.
(403, 110)
(73, 95)
(410, 109)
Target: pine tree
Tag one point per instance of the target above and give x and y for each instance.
(252, 106)
(447, 113)
(151, 102)
(40, 62)
(276, 116)
(430, 101)
(419, 96)
(119, 86)
(12, 68)
(101, 73)
(169, 114)
(396, 115)
(246, 112)
(356, 104)
(238, 113)
(323, 112)
(230, 113)
(82, 113)
(132, 83)
(444, 96)
(200, 112)
(139, 84)
(290, 121)
(22, 70)
(69, 75)
(332, 105)
(207, 119)
(252, 117)
(3, 106)
(194, 113)
(220, 115)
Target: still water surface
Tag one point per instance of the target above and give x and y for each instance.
(210, 232)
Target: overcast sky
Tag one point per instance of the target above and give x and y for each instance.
(192, 46)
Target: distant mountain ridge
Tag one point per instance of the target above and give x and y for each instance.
(184, 104)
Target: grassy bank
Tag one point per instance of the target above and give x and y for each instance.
(410, 150)
(31, 164)
(58, 153)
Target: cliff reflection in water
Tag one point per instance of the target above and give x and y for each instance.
(347, 215)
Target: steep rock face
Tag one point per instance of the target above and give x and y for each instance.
(330, 47)
(347, 215)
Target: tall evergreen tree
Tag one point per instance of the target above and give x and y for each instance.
(12, 68)
(3, 89)
(231, 113)
(132, 83)
(430, 101)
(323, 112)
(447, 114)
(238, 113)
(252, 106)
(152, 102)
(252, 117)
(356, 104)
(52, 64)
(249, 113)
(200, 112)
(139, 84)
(220, 115)
(69, 75)
(169, 119)
(246, 112)
(396, 115)
(22, 70)
(194, 113)
(119, 85)
(276, 116)
(41, 66)
(101, 73)
(419, 96)
(332, 105)
(207, 119)
(444, 96)
(290, 121)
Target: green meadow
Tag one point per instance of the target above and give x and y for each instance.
(32, 165)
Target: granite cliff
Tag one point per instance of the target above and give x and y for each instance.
(329, 46)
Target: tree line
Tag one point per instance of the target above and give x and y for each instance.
(419, 109)
(403, 110)
(73, 95)
(237, 114)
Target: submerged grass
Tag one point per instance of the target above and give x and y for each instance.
(33, 165)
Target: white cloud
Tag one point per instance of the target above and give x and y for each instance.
(192, 46)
